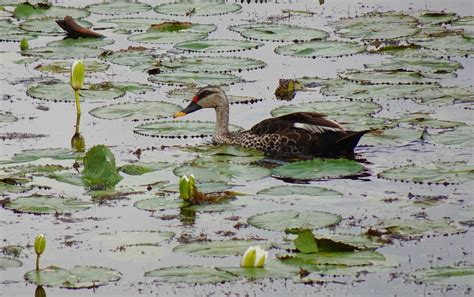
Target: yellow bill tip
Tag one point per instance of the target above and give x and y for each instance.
(179, 114)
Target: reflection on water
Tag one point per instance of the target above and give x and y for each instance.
(78, 143)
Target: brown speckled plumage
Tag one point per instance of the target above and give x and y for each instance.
(299, 133)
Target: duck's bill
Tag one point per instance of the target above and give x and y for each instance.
(192, 107)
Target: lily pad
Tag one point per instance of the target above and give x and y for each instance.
(130, 25)
(190, 78)
(190, 275)
(188, 93)
(320, 49)
(417, 64)
(118, 7)
(33, 155)
(434, 17)
(204, 187)
(300, 190)
(99, 168)
(39, 204)
(81, 41)
(291, 219)
(455, 44)
(217, 45)
(179, 129)
(48, 26)
(12, 32)
(377, 26)
(194, 32)
(74, 179)
(142, 168)
(138, 58)
(212, 64)
(331, 108)
(14, 184)
(316, 262)
(446, 276)
(415, 228)
(460, 137)
(63, 53)
(29, 11)
(392, 136)
(133, 238)
(62, 91)
(78, 277)
(318, 169)
(425, 120)
(398, 77)
(197, 8)
(159, 204)
(136, 111)
(278, 32)
(216, 248)
(466, 24)
(7, 118)
(6, 263)
(65, 67)
(439, 173)
(223, 171)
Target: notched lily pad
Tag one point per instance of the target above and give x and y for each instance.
(198, 79)
(188, 93)
(41, 10)
(63, 52)
(134, 238)
(445, 276)
(65, 67)
(278, 32)
(291, 219)
(397, 77)
(300, 190)
(434, 17)
(193, 32)
(398, 228)
(78, 277)
(81, 42)
(136, 111)
(48, 26)
(222, 171)
(217, 248)
(459, 137)
(139, 58)
(331, 108)
(212, 64)
(142, 168)
(197, 8)
(217, 45)
(179, 129)
(318, 169)
(191, 275)
(33, 155)
(417, 64)
(39, 204)
(320, 49)
(118, 7)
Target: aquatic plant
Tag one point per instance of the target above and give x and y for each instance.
(187, 187)
(40, 246)
(254, 256)
(24, 44)
(77, 81)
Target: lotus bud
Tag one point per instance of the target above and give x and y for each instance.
(191, 186)
(40, 244)
(24, 44)
(77, 75)
(254, 256)
(184, 187)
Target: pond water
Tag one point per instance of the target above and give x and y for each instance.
(414, 196)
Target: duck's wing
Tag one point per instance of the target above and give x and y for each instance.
(312, 122)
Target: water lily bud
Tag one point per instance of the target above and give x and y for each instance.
(184, 187)
(254, 256)
(260, 256)
(77, 75)
(40, 292)
(191, 186)
(24, 44)
(40, 244)
(78, 143)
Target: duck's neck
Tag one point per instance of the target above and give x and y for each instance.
(222, 120)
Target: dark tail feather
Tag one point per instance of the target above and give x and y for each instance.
(347, 143)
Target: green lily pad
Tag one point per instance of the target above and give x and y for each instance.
(375, 26)
(460, 137)
(62, 91)
(197, 8)
(130, 25)
(33, 155)
(99, 168)
(63, 53)
(65, 67)
(35, 169)
(74, 179)
(133, 238)
(179, 129)
(439, 173)
(14, 184)
(223, 171)
(204, 187)
(331, 108)
(416, 228)
(305, 242)
(81, 42)
(188, 93)
(417, 64)
(78, 277)
(212, 64)
(272, 270)
(12, 32)
(278, 32)
(316, 262)
(48, 26)
(7, 118)
(138, 58)
(300, 190)
(291, 219)
(425, 120)
(320, 49)
(194, 32)
(454, 44)
(216, 248)
(224, 153)
(142, 168)
(466, 24)
(434, 17)
(217, 45)
(190, 78)
(398, 77)
(159, 204)
(136, 111)
(446, 276)
(118, 7)
(392, 136)
(190, 275)
(318, 169)
(29, 11)
(39, 204)
(6, 263)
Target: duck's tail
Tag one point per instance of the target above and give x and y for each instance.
(347, 143)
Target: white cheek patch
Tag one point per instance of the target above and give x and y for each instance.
(315, 128)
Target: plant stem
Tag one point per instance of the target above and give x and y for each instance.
(37, 262)
(78, 120)
(78, 103)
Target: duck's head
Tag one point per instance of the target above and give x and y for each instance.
(206, 97)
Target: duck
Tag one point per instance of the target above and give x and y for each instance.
(298, 134)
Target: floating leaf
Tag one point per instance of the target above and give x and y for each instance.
(7, 118)
(291, 219)
(223, 171)
(453, 44)
(320, 49)
(466, 24)
(415, 228)
(197, 8)
(99, 168)
(65, 67)
(212, 64)
(29, 11)
(217, 45)
(398, 77)
(216, 248)
(305, 242)
(133, 238)
(188, 93)
(191, 274)
(6, 263)
(142, 168)
(62, 91)
(278, 32)
(179, 129)
(425, 120)
(63, 53)
(377, 26)
(317, 262)
(190, 78)
(287, 190)
(130, 25)
(81, 41)
(38, 204)
(138, 58)
(440, 173)
(318, 169)
(272, 270)
(33, 155)
(203, 187)
(136, 111)
(76, 278)
(417, 64)
(118, 7)
(393, 136)
(461, 137)
(194, 32)
(159, 204)
(446, 276)
(68, 178)
(434, 17)
(48, 26)
(14, 184)
(330, 108)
